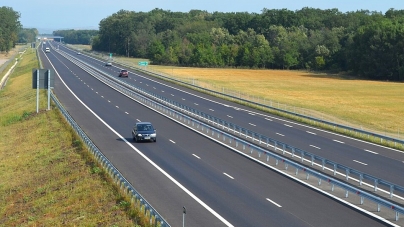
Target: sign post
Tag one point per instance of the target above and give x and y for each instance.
(42, 79)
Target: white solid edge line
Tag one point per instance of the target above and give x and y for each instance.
(149, 160)
(228, 176)
(196, 156)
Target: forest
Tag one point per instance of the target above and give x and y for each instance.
(369, 45)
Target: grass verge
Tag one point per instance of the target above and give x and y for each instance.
(48, 178)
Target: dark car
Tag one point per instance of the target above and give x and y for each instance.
(144, 131)
(123, 73)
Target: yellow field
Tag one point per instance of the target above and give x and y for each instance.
(368, 104)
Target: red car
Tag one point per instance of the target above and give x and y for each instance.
(123, 73)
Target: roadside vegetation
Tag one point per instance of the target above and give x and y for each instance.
(48, 178)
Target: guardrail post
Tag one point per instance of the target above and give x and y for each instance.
(375, 186)
(260, 139)
(301, 156)
(362, 200)
(297, 171)
(378, 207)
(347, 174)
(332, 187)
(267, 142)
(323, 163)
(319, 181)
(276, 161)
(307, 176)
(312, 160)
(391, 191)
(283, 150)
(335, 169)
(346, 193)
(360, 179)
(293, 152)
(397, 215)
(267, 157)
(275, 146)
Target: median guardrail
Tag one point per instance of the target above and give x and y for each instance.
(215, 127)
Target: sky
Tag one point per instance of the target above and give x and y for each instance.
(50, 15)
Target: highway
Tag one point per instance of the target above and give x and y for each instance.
(217, 186)
(379, 161)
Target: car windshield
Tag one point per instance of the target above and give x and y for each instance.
(144, 127)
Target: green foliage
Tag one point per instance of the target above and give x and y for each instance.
(9, 28)
(76, 36)
(364, 42)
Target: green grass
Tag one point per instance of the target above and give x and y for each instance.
(48, 178)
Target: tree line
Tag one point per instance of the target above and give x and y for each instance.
(9, 28)
(76, 36)
(368, 44)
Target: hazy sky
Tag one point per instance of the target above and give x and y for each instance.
(49, 15)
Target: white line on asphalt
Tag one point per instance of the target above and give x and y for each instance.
(96, 92)
(229, 116)
(196, 156)
(92, 89)
(102, 96)
(338, 141)
(172, 141)
(311, 133)
(126, 112)
(274, 203)
(252, 114)
(183, 99)
(117, 107)
(371, 152)
(109, 101)
(280, 134)
(196, 103)
(228, 176)
(154, 87)
(268, 119)
(162, 91)
(315, 147)
(360, 163)
(290, 126)
(172, 94)
(211, 109)
(251, 124)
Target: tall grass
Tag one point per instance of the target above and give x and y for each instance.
(47, 177)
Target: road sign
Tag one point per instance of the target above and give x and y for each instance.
(143, 63)
(41, 79)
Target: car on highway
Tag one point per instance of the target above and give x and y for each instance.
(144, 131)
(47, 50)
(78, 53)
(108, 63)
(123, 73)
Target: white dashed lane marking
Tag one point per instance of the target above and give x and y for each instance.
(338, 141)
(228, 176)
(211, 109)
(290, 126)
(371, 152)
(311, 133)
(360, 163)
(172, 141)
(268, 119)
(315, 147)
(279, 134)
(126, 112)
(229, 116)
(251, 124)
(196, 156)
(117, 107)
(274, 203)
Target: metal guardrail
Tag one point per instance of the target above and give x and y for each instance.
(319, 121)
(162, 105)
(117, 177)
